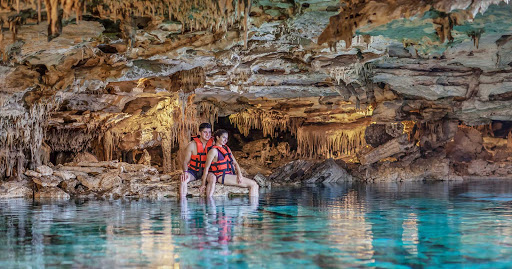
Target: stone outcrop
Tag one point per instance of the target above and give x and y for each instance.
(106, 180)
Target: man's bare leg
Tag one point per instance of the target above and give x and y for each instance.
(183, 184)
(212, 180)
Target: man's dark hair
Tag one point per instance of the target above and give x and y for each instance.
(204, 125)
(219, 133)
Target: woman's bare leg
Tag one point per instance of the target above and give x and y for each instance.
(246, 183)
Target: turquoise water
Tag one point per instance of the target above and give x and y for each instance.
(392, 225)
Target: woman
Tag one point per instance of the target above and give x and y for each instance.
(220, 168)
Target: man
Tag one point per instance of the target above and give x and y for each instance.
(195, 157)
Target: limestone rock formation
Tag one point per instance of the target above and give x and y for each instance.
(107, 89)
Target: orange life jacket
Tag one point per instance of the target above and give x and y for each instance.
(197, 161)
(221, 168)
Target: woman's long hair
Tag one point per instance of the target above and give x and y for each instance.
(219, 133)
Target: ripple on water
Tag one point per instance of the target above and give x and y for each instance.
(384, 225)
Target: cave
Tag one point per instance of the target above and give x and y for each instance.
(355, 129)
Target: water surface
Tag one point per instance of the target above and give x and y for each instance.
(385, 225)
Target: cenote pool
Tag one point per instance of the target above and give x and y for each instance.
(388, 225)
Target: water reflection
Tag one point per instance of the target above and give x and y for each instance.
(347, 225)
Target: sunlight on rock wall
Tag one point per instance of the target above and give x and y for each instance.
(172, 121)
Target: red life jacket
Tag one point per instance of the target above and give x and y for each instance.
(221, 168)
(197, 161)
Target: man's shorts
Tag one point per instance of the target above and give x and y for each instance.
(195, 174)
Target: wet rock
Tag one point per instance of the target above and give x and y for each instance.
(44, 170)
(47, 181)
(220, 190)
(262, 181)
(51, 193)
(15, 189)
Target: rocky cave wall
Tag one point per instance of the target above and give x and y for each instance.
(392, 90)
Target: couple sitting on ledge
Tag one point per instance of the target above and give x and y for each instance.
(210, 159)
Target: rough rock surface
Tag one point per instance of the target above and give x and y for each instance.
(290, 80)
(303, 172)
(108, 180)
(15, 189)
(51, 193)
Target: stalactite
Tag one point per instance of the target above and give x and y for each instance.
(209, 112)
(22, 133)
(331, 140)
(188, 80)
(267, 121)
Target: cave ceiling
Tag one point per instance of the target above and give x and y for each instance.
(112, 64)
